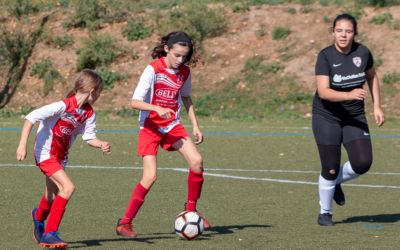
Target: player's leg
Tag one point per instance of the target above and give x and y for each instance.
(65, 188)
(40, 214)
(124, 225)
(328, 134)
(188, 149)
(149, 141)
(357, 142)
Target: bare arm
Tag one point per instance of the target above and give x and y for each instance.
(162, 112)
(21, 150)
(187, 102)
(102, 145)
(326, 93)
(373, 84)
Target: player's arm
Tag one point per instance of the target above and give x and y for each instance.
(374, 88)
(89, 131)
(36, 115)
(143, 89)
(187, 102)
(102, 145)
(144, 106)
(326, 93)
(21, 150)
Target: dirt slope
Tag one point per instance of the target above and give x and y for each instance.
(248, 34)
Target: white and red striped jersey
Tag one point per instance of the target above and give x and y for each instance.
(163, 87)
(59, 124)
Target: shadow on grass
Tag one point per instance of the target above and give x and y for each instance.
(140, 238)
(231, 229)
(150, 239)
(379, 218)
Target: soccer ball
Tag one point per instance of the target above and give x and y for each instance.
(189, 225)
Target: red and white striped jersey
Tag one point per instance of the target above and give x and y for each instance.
(163, 87)
(59, 124)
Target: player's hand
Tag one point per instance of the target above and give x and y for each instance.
(198, 136)
(165, 113)
(21, 153)
(379, 116)
(105, 147)
(357, 94)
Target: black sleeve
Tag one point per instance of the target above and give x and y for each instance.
(370, 62)
(322, 65)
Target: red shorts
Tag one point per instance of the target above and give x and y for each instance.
(50, 166)
(150, 138)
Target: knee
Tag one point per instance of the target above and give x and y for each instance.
(67, 190)
(196, 163)
(361, 166)
(149, 180)
(330, 173)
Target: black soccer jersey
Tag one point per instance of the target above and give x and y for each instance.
(346, 72)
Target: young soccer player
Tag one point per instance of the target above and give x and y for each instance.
(163, 86)
(338, 112)
(59, 124)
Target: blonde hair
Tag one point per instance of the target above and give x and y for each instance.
(87, 79)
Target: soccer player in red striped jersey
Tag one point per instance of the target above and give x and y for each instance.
(164, 85)
(59, 124)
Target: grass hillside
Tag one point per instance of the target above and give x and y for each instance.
(257, 61)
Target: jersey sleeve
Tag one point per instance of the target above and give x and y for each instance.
(145, 84)
(88, 128)
(185, 91)
(42, 113)
(370, 62)
(322, 65)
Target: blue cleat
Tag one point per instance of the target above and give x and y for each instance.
(38, 227)
(51, 240)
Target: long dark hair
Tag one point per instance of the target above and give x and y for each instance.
(348, 17)
(181, 38)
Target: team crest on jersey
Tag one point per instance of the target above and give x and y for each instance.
(180, 79)
(357, 61)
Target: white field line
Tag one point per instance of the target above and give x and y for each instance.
(229, 176)
(136, 126)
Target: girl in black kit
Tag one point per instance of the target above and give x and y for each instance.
(338, 112)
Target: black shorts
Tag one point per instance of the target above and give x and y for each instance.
(335, 131)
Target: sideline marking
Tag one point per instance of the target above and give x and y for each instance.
(222, 175)
(237, 133)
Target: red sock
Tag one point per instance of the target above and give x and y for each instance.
(43, 209)
(134, 204)
(56, 213)
(195, 183)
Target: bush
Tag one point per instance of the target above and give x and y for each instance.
(267, 2)
(195, 18)
(88, 13)
(13, 47)
(63, 41)
(98, 50)
(240, 7)
(291, 10)
(382, 18)
(391, 78)
(136, 30)
(109, 78)
(280, 33)
(380, 3)
(45, 70)
(19, 8)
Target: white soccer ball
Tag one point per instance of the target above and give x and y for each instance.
(189, 225)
